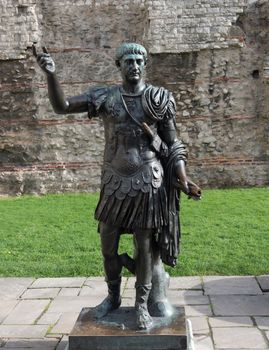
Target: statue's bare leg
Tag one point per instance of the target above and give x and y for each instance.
(110, 237)
(158, 303)
(144, 264)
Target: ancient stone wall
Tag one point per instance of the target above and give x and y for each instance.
(205, 51)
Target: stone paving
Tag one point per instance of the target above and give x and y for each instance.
(226, 312)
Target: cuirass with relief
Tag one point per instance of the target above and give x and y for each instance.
(127, 146)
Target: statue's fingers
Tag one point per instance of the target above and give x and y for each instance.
(44, 61)
(34, 50)
(42, 56)
(45, 49)
(43, 64)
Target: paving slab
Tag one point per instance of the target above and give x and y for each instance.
(222, 322)
(43, 348)
(96, 287)
(59, 282)
(264, 282)
(13, 287)
(267, 336)
(240, 305)
(63, 343)
(73, 304)
(178, 298)
(238, 337)
(49, 318)
(203, 342)
(193, 282)
(130, 283)
(199, 325)
(96, 279)
(262, 322)
(26, 312)
(127, 302)
(93, 291)
(69, 292)
(40, 293)
(66, 322)
(129, 293)
(37, 344)
(198, 310)
(6, 306)
(23, 331)
(225, 285)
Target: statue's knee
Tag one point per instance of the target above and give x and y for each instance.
(110, 255)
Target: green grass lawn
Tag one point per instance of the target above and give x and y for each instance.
(226, 233)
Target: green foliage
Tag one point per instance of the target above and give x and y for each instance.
(225, 233)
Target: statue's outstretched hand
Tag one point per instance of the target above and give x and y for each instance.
(195, 191)
(189, 188)
(44, 60)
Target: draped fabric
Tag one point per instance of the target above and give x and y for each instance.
(169, 235)
(158, 103)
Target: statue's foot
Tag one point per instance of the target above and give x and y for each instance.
(143, 318)
(107, 305)
(161, 308)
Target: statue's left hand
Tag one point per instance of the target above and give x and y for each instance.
(195, 191)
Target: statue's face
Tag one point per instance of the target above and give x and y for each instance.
(132, 67)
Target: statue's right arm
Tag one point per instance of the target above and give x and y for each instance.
(60, 104)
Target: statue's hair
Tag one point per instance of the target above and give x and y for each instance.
(130, 48)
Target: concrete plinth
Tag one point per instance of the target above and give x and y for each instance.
(117, 331)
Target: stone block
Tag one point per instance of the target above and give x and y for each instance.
(130, 284)
(203, 342)
(26, 312)
(49, 318)
(118, 331)
(178, 298)
(214, 285)
(42, 293)
(69, 292)
(185, 283)
(237, 337)
(99, 289)
(244, 305)
(267, 335)
(13, 287)
(6, 306)
(262, 322)
(73, 304)
(198, 310)
(199, 325)
(264, 282)
(23, 331)
(223, 322)
(60, 282)
(65, 323)
(35, 344)
(63, 343)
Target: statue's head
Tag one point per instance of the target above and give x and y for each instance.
(131, 58)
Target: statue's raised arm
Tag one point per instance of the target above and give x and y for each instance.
(60, 104)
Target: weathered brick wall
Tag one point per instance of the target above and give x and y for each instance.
(205, 51)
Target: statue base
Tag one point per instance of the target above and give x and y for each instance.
(117, 331)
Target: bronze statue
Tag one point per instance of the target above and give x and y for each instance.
(142, 175)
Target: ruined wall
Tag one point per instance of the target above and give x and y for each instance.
(205, 51)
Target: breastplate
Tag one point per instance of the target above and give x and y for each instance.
(127, 145)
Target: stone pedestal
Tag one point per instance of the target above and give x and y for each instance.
(117, 331)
